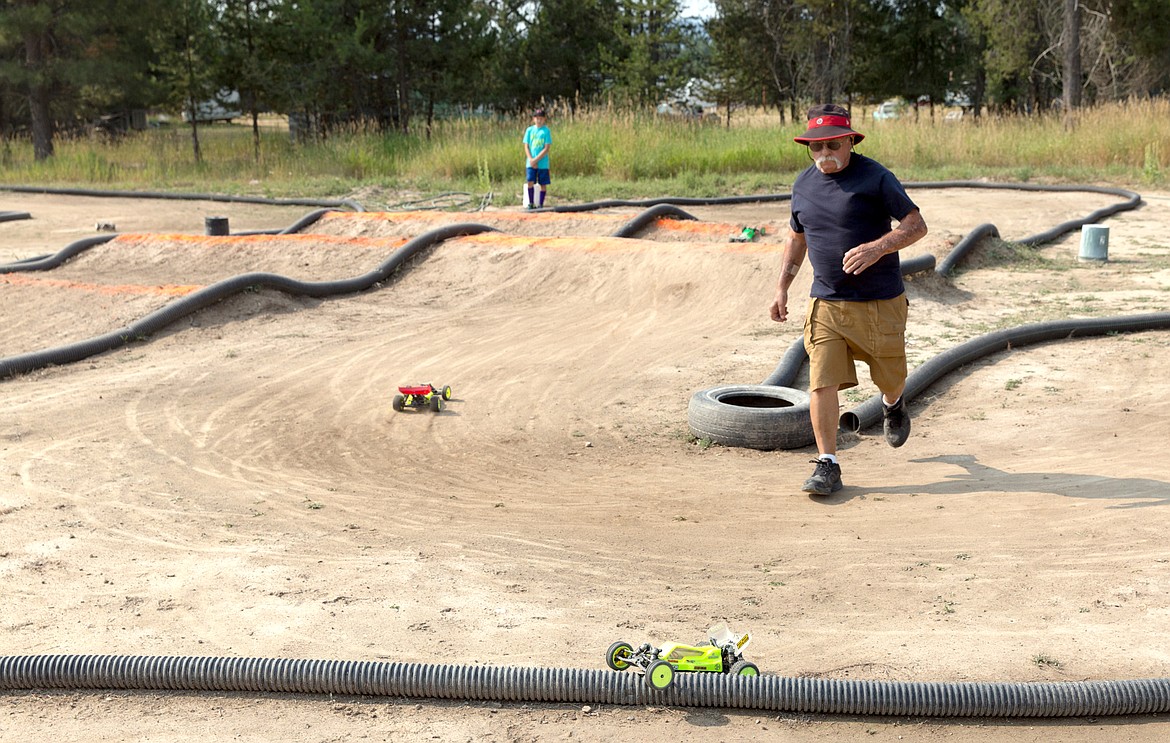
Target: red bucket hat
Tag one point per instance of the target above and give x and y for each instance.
(827, 121)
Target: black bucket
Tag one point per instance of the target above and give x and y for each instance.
(216, 226)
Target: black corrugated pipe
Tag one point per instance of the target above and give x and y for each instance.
(639, 223)
(300, 224)
(209, 295)
(869, 412)
(676, 200)
(578, 686)
(47, 262)
(1132, 201)
(221, 290)
(964, 246)
(19, 261)
(784, 375)
(334, 203)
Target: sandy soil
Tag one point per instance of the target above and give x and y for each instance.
(238, 485)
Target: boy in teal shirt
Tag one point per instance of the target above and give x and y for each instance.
(537, 141)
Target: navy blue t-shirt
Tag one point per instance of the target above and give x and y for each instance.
(840, 211)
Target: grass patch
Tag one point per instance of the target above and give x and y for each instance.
(606, 153)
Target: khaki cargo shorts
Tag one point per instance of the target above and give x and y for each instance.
(838, 333)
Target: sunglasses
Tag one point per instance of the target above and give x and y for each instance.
(832, 144)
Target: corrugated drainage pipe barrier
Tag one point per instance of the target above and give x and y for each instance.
(164, 316)
(167, 195)
(72, 250)
(660, 211)
(519, 684)
(159, 319)
(869, 412)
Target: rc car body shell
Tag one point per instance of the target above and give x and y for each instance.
(692, 657)
(421, 396)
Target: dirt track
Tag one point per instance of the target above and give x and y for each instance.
(239, 486)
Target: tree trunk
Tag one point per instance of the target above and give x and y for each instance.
(403, 92)
(36, 51)
(430, 115)
(194, 108)
(255, 135)
(1072, 55)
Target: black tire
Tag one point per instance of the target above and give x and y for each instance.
(436, 404)
(753, 416)
(447, 392)
(745, 668)
(397, 403)
(617, 657)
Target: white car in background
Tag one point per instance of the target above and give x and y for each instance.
(887, 110)
(224, 107)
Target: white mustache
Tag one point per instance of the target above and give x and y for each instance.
(827, 158)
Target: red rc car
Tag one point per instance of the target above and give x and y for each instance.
(421, 396)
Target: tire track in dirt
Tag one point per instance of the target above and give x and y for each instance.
(310, 520)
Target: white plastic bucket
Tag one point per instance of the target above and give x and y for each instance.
(1094, 242)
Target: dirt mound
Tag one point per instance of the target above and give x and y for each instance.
(239, 486)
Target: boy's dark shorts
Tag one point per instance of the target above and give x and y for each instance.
(837, 333)
(542, 176)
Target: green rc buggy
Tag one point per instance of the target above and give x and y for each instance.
(723, 653)
(747, 235)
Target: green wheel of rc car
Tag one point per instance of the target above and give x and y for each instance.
(447, 392)
(618, 655)
(745, 668)
(398, 403)
(660, 675)
(436, 403)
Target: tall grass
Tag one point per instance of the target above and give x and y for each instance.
(606, 152)
(1113, 143)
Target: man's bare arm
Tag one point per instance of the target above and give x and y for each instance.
(909, 231)
(795, 249)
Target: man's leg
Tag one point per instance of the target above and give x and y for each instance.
(824, 409)
(887, 364)
(891, 395)
(830, 368)
(895, 417)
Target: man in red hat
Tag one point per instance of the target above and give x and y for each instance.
(843, 206)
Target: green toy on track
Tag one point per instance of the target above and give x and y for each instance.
(723, 653)
(747, 235)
